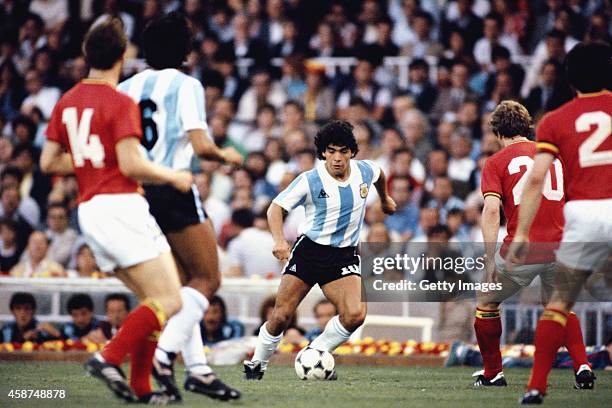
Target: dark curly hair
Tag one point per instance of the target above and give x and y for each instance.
(167, 41)
(337, 132)
(510, 119)
(588, 67)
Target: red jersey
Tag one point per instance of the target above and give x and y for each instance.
(88, 121)
(504, 176)
(579, 133)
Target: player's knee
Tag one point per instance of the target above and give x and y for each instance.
(353, 318)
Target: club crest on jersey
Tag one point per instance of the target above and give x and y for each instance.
(363, 190)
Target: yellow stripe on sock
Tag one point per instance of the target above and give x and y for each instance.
(486, 314)
(155, 336)
(157, 308)
(554, 316)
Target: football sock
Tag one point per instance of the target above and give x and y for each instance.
(193, 353)
(574, 342)
(142, 364)
(488, 330)
(334, 335)
(266, 345)
(140, 323)
(180, 326)
(549, 336)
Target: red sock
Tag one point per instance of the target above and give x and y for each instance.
(138, 326)
(549, 336)
(574, 341)
(488, 332)
(141, 365)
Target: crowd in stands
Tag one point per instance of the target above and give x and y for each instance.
(431, 137)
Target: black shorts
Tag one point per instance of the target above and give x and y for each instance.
(174, 210)
(315, 263)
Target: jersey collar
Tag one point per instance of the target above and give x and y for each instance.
(324, 173)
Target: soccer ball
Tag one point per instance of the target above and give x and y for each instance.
(311, 364)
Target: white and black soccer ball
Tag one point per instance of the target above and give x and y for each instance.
(311, 364)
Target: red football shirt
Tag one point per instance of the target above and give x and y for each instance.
(88, 121)
(504, 175)
(579, 133)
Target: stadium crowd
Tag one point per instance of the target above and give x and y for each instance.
(431, 137)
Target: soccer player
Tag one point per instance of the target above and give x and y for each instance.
(579, 133)
(503, 177)
(100, 128)
(333, 195)
(174, 126)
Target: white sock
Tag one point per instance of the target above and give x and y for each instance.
(193, 353)
(180, 326)
(334, 335)
(266, 346)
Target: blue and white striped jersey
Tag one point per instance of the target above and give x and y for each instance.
(171, 103)
(334, 209)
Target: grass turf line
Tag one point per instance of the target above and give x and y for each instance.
(358, 386)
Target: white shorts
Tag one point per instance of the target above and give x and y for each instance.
(120, 230)
(587, 237)
(523, 275)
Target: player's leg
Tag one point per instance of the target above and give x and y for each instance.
(156, 284)
(345, 294)
(291, 292)
(488, 327)
(550, 332)
(574, 341)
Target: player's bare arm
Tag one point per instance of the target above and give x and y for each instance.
(388, 205)
(205, 148)
(530, 202)
(132, 164)
(490, 232)
(281, 247)
(54, 159)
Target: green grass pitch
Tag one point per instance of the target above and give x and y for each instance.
(357, 386)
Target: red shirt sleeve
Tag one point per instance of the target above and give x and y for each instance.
(129, 123)
(546, 141)
(56, 131)
(490, 183)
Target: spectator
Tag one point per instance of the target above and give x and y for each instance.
(242, 45)
(460, 165)
(502, 62)
(34, 183)
(291, 44)
(35, 263)
(218, 129)
(80, 308)
(12, 177)
(551, 93)
(419, 87)
(323, 311)
(11, 91)
(26, 327)
(437, 166)
(62, 237)
(9, 250)
(250, 252)
(415, 128)
(10, 209)
(292, 78)
(383, 44)
(318, 100)
(493, 35)
(117, 307)
(39, 95)
(255, 140)
(404, 221)
(422, 45)
(450, 99)
(216, 326)
(377, 98)
(443, 198)
(465, 20)
(86, 266)
(262, 90)
(325, 43)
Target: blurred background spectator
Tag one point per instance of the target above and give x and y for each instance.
(216, 326)
(25, 327)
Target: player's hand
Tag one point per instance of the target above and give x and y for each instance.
(281, 250)
(517, 251)
(232, 156)
(182, 181)
(388, 206)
